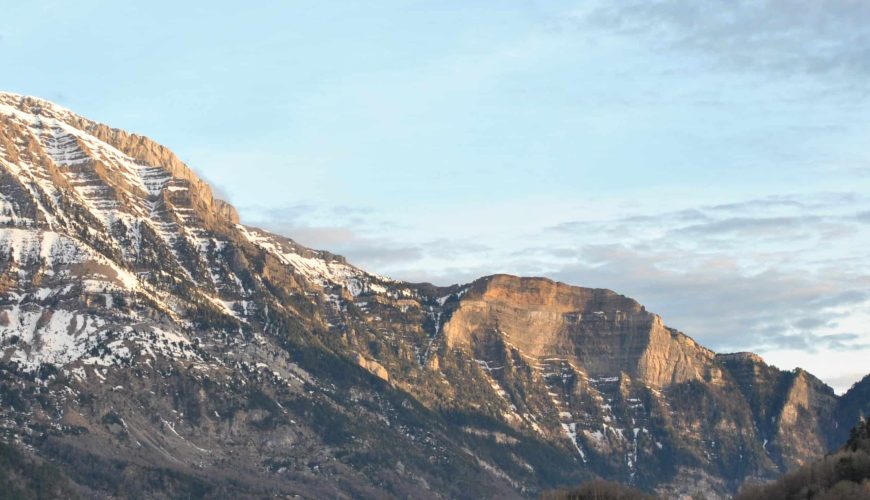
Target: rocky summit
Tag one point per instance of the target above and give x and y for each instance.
(151, 345)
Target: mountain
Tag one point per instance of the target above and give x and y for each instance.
(854, 405)
(151, 344)
(844, 475)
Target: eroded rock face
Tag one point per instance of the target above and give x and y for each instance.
(598, 331)
(628, 392)
(805, 419)
(373, 367)
(793, 411)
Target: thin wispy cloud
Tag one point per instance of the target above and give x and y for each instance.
(770, 274)
(784, 37)
(340, 229)
(784, 272)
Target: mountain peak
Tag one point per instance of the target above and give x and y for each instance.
(116, 174)
(741, 356)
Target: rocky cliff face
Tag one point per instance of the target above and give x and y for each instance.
(145, 331)
(851, 407)
(793, 411)
(605, 333)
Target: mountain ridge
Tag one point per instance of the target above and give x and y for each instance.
(247, 356)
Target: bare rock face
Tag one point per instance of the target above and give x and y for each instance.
(805, 419)
(793, 411)
(144, 330)
(373, 367)
(604, 333)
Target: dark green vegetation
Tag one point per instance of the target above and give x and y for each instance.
(22, 477)
(844, 475)
(597, 490)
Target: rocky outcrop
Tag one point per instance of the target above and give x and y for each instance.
(804, 420)
(600, 332)
(142, 150)
(372, 367)
(793, 411)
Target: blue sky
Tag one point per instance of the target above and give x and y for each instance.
(707, 158)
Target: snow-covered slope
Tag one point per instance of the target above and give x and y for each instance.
(84, 221)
